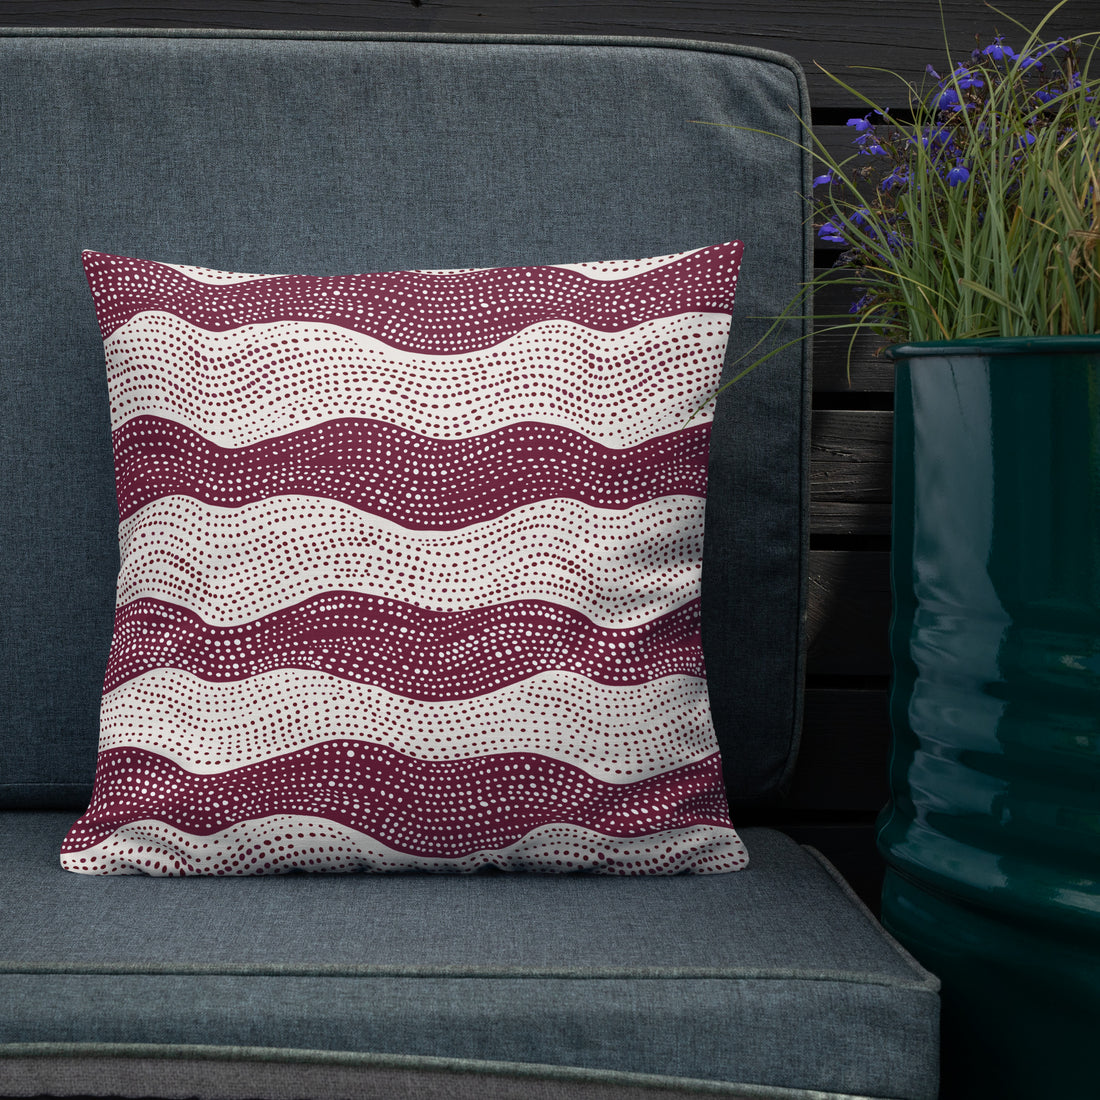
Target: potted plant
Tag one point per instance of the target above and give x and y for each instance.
(971, 223)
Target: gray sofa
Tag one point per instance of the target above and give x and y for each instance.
(327, 153)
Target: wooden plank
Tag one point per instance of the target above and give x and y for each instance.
(843, 760)
(843, 368)
(848, 616)
(842, 365)
(838, 35)
(850, 472)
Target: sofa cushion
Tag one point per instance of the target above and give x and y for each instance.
(774, 976)
(410, 570)
(393, 153)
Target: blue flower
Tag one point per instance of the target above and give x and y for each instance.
(860, 125)
(831, 233)
(947, 100)
(938, 137)
(861, 222)
(998, 51)
(899, 175)
(966, 79)
(958, 174)
(827, 178)
(1049, 47)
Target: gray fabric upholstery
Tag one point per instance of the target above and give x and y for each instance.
(701, 977)
(340, 153)
(337, 154)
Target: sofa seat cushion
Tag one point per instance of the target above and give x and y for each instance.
(689, 976)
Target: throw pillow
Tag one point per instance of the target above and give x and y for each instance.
(410, 569)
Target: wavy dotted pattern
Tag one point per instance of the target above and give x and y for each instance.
(410, 570)
(414, 481)
(615, 733)
(283, 843)
(425, 808)
(405, 649)
(423, 311)
(245, 385)
(618, 568)
(602, 269)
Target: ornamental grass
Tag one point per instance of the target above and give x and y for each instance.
(974, 209)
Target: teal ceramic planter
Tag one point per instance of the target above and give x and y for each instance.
(992, 835)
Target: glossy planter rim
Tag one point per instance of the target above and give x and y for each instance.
(997, 345)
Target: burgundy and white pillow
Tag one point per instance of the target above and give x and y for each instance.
(410, 569)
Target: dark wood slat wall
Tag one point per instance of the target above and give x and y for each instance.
(840, 783)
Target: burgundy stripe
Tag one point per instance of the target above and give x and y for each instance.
(429, 808)
(427, 655)
(425, 312)
(410, 479)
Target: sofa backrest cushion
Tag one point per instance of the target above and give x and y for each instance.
(319, 153)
